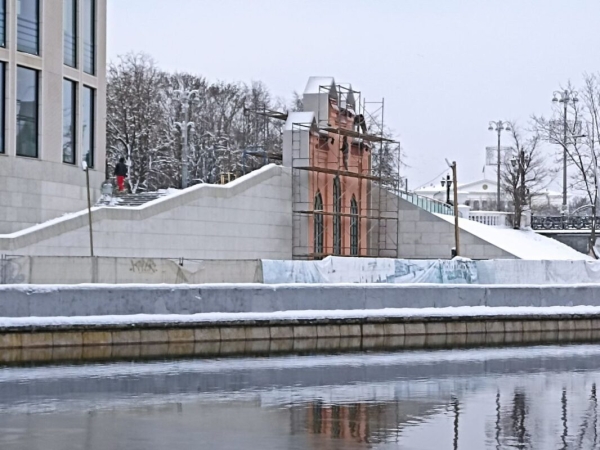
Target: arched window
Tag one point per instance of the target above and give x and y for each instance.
(318, 226)
(337, 218)
(354, 227)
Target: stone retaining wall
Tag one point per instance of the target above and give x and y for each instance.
(271, 330)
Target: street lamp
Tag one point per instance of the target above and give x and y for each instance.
(499, 126)
(447, 182)
(565, 97)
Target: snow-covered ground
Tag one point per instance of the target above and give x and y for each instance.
(524, 244)
(141, 319)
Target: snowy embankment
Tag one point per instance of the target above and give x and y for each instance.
(524, 244)
(295, 317)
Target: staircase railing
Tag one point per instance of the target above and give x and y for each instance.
(428, 204)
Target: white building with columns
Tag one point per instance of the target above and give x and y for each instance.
(52, 108)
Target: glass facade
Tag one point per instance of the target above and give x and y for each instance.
(70, 32)
(69, 121)
(3, 23)
(2, 107)
(27, 112)
(88, 120)
(89, 36)
(28, 26)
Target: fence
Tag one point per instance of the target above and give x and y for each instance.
(491, 218)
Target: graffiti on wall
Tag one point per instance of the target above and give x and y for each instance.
(143, 266)
(11, 272)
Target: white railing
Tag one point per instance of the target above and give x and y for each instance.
(491, 218)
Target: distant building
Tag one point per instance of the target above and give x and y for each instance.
(53, 107)
(481, 195)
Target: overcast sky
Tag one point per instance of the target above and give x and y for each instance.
(445, 67)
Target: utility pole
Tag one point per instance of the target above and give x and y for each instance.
(456, 227)
(499, 126)
(565, 97)
(185, 97)
(86, 169)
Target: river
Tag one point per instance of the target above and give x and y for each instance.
(537, 397)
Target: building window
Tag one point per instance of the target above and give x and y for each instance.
(2, 107)
(337, 218)
(70, 32)
(89, 36)
(27, 112)
(69, 118)
(354, 227)
(476, 205)
(3, 23)
(88, 125)
(28, 26)
(318, 226)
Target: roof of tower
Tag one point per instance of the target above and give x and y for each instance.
(321, 85)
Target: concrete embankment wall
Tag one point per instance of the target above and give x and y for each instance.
(30, 316)
(102, 300)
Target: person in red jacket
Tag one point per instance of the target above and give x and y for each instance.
(121, 173)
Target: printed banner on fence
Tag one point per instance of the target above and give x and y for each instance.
(370, 270)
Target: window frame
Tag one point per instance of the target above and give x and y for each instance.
(92, 137)
(38, 32)
(3, 19)
(318, 226)
(3, 65)
(74, 90)
(37, 113)
(337, 218)
(93, 44)
(75, 23)
(354, 228)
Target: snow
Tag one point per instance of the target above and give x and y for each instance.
(313, 86)
(299, 118)
(212, 318)
(524, 244)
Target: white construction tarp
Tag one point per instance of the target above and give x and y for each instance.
(370, 270)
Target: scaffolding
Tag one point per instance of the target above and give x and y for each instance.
(372, 228)
(375, 221)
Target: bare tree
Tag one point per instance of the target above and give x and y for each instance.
(525, 175)
(583, 128)
(135, 117)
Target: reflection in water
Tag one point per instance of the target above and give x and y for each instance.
(540, 398)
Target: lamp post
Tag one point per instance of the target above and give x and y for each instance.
(86, 169)
(186, 98)
(447, 182)
(565, 97)
(499, 126)
(456, 251)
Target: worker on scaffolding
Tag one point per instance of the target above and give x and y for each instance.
(345, 151)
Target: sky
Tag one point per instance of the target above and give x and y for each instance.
(445, 67)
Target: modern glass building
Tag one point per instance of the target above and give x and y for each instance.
(52, 107)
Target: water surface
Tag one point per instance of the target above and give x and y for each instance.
(541, 397)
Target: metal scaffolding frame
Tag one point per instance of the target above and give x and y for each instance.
(380, 214)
